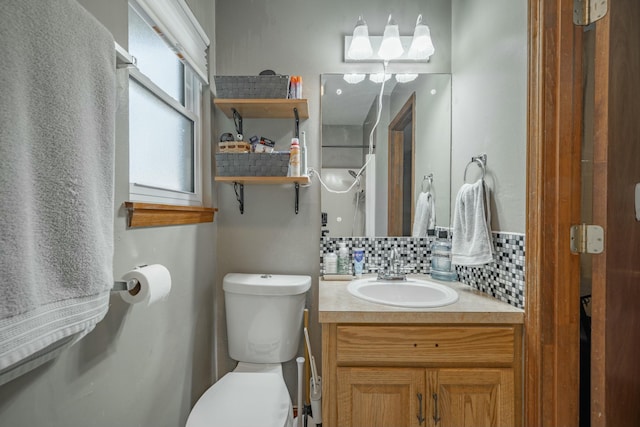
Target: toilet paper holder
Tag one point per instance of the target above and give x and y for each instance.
(131, 285)
(124, 285)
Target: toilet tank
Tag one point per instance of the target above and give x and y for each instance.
(264, 315)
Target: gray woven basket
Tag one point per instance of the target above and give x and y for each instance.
(251, 87)
(252, 164)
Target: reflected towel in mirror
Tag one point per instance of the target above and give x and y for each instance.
(425, 217)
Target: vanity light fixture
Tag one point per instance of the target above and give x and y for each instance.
(360, 47)
(406, 78)
(391, 46)
(354, 78)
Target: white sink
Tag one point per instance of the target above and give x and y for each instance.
(406, 293)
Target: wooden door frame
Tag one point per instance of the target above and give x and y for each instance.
(551, 362)
(395, 138)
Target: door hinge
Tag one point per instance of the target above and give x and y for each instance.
(587, 239)
(586, 12)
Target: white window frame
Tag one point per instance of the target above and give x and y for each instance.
(192, 110)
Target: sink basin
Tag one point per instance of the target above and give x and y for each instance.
(407, 293)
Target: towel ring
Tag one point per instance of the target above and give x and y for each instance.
(428, 179)
(481, 161)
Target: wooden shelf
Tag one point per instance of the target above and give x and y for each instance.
(264, 108)
(153, 214)
(240, 181)
(267, 180)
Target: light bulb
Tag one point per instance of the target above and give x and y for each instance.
(360, 47)
(353, 78)
(406, 78)
(421, 44)
(391, 47)
(379, 77)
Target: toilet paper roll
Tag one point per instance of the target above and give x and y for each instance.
(154, 284)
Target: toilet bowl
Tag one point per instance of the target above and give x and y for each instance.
(264, 325)
(250, 396)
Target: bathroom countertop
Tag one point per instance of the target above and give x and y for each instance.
(337, 305)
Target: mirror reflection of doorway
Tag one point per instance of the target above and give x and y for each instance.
(401, 167)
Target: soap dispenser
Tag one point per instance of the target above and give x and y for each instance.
(441, 267)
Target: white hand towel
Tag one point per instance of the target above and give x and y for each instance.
(425, 215)
(471, 243)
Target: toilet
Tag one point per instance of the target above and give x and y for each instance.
(264, 325)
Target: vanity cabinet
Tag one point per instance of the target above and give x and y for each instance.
(434, 375)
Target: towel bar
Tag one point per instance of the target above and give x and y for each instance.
(428, 179)
(123, 58)
(481, 161)
(124, 285)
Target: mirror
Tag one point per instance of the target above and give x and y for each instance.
(411, 146)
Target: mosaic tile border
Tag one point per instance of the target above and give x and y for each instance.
(503, 279)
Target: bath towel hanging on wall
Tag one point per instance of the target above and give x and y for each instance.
(56, 178)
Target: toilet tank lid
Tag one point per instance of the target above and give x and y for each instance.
(266, 284)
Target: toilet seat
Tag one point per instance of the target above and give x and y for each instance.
(244, 399)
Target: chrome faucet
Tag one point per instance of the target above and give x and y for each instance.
(395, 270)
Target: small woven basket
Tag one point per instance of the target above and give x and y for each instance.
(234, 147)
(252, 164)
(252, 87)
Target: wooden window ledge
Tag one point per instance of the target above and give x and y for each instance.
(151, 214)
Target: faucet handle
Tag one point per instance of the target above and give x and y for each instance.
(408, 268)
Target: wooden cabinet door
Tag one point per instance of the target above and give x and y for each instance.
(478, 397)
(380, 397)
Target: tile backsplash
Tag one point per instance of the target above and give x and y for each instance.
(502, 279)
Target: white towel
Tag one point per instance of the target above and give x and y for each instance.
(57, 121)
(425, 215)
(471, 243)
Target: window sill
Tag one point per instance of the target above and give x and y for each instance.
(151, 214)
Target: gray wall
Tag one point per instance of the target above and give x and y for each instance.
(490, 102)
(343, 157)
(141, 366)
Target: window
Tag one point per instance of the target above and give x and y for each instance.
(165, 98)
